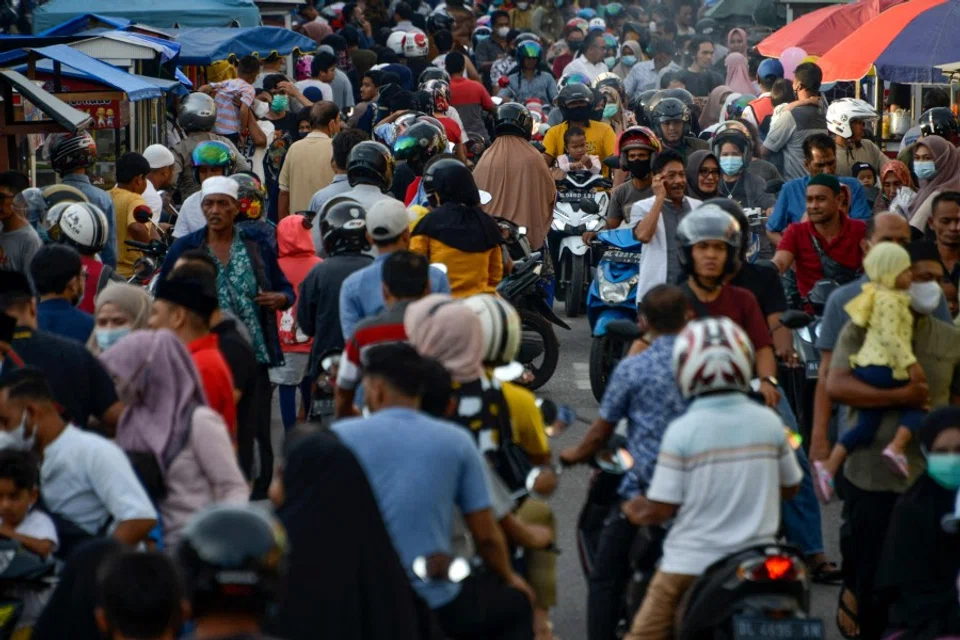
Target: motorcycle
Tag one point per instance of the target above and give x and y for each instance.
(20, 572)
(612, 296)
(581, 206)
(146, 269)
(758, 224)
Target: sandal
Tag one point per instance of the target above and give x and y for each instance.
(844, 608)
(827, 573)
(896, 462)
(822, 482)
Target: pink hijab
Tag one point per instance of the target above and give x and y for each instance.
(441, 328)
(738, 74)
(946, 158)
(743, 34)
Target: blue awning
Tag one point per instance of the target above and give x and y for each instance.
(82, 22)
(135, 88)
(166, 86)
(207, 45)
(54, 14)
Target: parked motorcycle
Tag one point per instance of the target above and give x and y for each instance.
(612, 296)
(581, 206)
(21, 572)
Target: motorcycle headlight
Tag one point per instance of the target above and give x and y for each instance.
(614, 292)
(557, 225)
(594, 225)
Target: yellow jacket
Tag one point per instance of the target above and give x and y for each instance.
(468, 273)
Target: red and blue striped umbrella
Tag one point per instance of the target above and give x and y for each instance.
(906, 43)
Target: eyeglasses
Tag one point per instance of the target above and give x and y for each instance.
(706, 173)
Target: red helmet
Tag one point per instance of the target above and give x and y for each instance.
(637, 137)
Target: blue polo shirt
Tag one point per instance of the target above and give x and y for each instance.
(792, 203)
(62, 318)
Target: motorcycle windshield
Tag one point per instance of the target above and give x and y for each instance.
(621, 239)
(618, 271)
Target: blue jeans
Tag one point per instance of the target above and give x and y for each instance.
(288, 402)
(868, 420)
(801, 514)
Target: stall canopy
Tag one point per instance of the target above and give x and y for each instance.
(166, 86)
(71, 119)
(819, 30)
(208, 45)
(81, 23)
(167, 13)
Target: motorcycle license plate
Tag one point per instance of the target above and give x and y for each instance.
(573, 196)
(813, 369)
(614, 255)
(749, 628)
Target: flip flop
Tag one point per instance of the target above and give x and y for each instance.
(896, 462)
(845, 609)
(822, 482)
(822, 574)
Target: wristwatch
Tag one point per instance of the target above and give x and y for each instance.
(772, 380)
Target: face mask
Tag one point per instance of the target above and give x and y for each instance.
(609, 111)
(260, 109)
(17, 438)
(945, 469)
(925, 169)
(523, 6)
(628, 61)
(924, 297)
(106, 338)
(610, 61)
(639, 169)
(279, 103)
(503, 32)
(731, 165)
(578, 114)
(575, 45)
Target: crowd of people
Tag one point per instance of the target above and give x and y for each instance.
(330, 236)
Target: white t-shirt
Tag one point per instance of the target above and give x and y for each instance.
(37, 525)
(724, 462)
(256, 163)
(191, 216)
(88, 480)
(325, 89)
(152, 197)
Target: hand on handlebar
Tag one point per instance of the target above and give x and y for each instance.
(771, 396)
(518, 583)
(569, 457)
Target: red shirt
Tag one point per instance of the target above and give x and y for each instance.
(742, 307)
(845, 249)
(465, 91)
(451, 127)
(216, 377)
(411, 191)
(91, 287)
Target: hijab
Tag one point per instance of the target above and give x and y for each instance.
(694, 162)
(345, 579)
(711, 112)
(898, 169)
(521, 188)
(738, 74)
(132, 300)
(621, 69)
(443, 329)
(316, 30)
(946, 157)
(464, 227)
(742, 33)
(161, 388)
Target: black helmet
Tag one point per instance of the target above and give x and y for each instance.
(939, 121)
(668, 110)
(575, 92)
(708, 222)
(232, 558)
(639, 107)
(343, 226)
(421, 141)
(682, 95)
(451, 181)
(197, 112)
(370, 163)
(433, 73)
(654, 100)
(70, 151)
(513, 119)
(438, 21)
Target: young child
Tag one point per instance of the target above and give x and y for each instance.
(886, 359)
(576, 158)
(865, 174)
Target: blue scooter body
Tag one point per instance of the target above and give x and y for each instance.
(618, 271)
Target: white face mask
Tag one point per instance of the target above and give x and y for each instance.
(523, 6)
(17, 438)
(503, 32)
(925, 297)
(260, 109)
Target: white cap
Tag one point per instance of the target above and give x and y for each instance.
(220, 185)
(158, 156)
(387, 219)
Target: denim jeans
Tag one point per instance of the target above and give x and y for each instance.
(801, 514)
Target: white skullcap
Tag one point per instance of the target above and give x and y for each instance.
(220, 185)
(158, 156)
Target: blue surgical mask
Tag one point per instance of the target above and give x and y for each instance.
(106, 338)
(609, 111)
(628, 61)
(945, 469)
(925, 169)
(731, 165)
(279, 103)
(610, 61)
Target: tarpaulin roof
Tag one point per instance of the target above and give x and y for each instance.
(79, 23)
(46, 66)
(165, 13)
(135, 88)
(59, 111)
(208, 45)
(817, 31)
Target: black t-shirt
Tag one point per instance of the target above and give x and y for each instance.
(403, 175)
(242, 361)
(702, 83)
(80, 384)
(289, 123)
(736, 191)
(764, 284)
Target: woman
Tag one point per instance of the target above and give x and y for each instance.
(528, 80)
(515, 176)
(733, 147)
(120, 309)
(715, 101)
(630, 54)
(703, 175)
(614, 112)
(737, 41)
(738, 74)
(167, 418)
(938, 171)
(920, 562)
(344, 581)
(893, 176)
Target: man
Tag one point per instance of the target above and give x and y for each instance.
(405, 280)
(388, 228)
(234, 97)
(340, 84)
(828, 244)
(162, 163)
(58, 277)
(945, 223)
(139, 595)
(646, 75)
(820, 157)
(85, 479)
(760, 111)
(18, 240)
(657, 219)
(670, 120)
(391, 445)
(404, 15)
(590, 61)
(643, 390)
(80, 384)
(183, 304)
(721, 471)
(791, 127)
(342, 145)
(493, 48)
(699, 78)
(470, 98)
(191, 217)
(870, 490)
(306, 168)
(846, 120)
(322, 72)
(271, 65)
(133, 215)
(576, 102)
(369, 96)
(684, 20)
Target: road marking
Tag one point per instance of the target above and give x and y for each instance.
(582, 372)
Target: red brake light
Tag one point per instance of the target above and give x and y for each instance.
(775, 567)
(778, 567)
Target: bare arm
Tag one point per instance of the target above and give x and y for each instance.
(471, 70)
(640, 511)
(647, 227)
(111, 418)
(492, 547)
(133, 532)
(783, 259)
(343, 403)
(283, 204)
(822, 409)
(42, 548)
(595, 437)
(787, 493)
(846, 388)
(774, 237)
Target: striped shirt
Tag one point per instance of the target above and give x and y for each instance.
(383, 328)
(228, 114)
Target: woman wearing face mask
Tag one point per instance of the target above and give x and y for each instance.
(917, 577)
(731, 145)
(630, 53)
(120, 309)
(937, 164)
(614, 113)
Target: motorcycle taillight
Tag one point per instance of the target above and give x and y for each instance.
(778, 567)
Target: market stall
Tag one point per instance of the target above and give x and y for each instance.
(194, 13)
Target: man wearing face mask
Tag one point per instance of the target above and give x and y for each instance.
(871, 490)
(495, 47)
(58, 277)
(307, 167)
(590, 62)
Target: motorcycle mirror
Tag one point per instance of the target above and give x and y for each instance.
(329, 362)
(439, 265)
(522, 231)
(624, 329)
(144, 268)
(441, 567)
(509, 372)
(548, 409)
(589, 205)
(615, 461)
(612, 162)
(795, 319)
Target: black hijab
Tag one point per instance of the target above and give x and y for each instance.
(918, 573)
(463, 227)
(345, 580)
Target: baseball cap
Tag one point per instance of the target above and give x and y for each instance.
(770, 67)
(158, 156)
(387, 219)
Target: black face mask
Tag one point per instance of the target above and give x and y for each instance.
(577, 114)
(575, 46)
(639, 169)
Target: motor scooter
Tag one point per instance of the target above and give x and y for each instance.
(21, 572)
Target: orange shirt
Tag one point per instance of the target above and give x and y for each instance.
(217, 379)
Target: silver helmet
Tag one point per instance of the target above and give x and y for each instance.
(197, 112)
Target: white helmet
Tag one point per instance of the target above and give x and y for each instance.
(712, 354)
(395, 42)
(84, 226)
(842, 112)
(502, 330)
(415, 45)
(596, 24)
